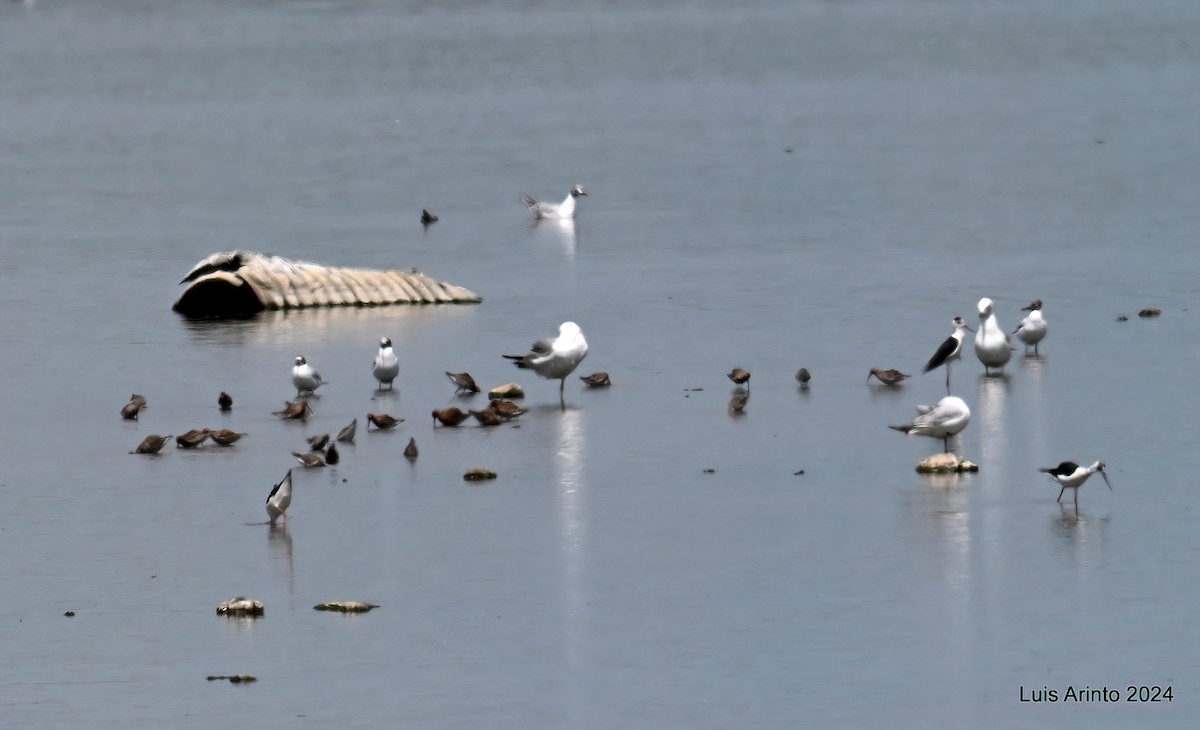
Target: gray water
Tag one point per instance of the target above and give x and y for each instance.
(822, 184)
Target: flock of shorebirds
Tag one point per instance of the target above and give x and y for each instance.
(994, 348)
(557, 358)
(552, 358)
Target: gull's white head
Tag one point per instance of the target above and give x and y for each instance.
(569, 329)
(985, 308)
(300, 360)
(577, 191)
(384, 342)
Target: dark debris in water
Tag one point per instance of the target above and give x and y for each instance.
(234, 678)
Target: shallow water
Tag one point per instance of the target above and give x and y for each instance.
(817, 184)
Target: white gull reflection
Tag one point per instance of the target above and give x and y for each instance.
(572, 528)
(993, 441)
(563, 229)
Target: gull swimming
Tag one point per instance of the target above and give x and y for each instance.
(386, 367)
(304, 377)
(1072, 476)
(949, 351)
(562, 211)
(950, 416)
(991, 343)
(280, 498)
(555, 359)
(1032, 329)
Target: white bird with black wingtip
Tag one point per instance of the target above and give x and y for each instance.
(386, 366)
(555, 359)
(561, 211)
(949, 417)
(1032, 329)
(1070, 475)
(305, 377)
(280, 498)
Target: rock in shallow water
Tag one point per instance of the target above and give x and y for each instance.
(234, 678)
(241, 606)
(508, 390)
(944, 464)
(479, 474)
(346, 606)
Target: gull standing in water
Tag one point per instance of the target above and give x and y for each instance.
(555, 359)
(948, 417)
(1072, 476)
(561, 211)
(304, 377)
(991, 343)
(280, 498)
(950, 350)
(1032, 329)
(386, 367)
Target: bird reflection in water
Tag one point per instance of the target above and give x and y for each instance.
(572, 528)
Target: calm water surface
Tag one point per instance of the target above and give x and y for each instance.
(822, 184)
